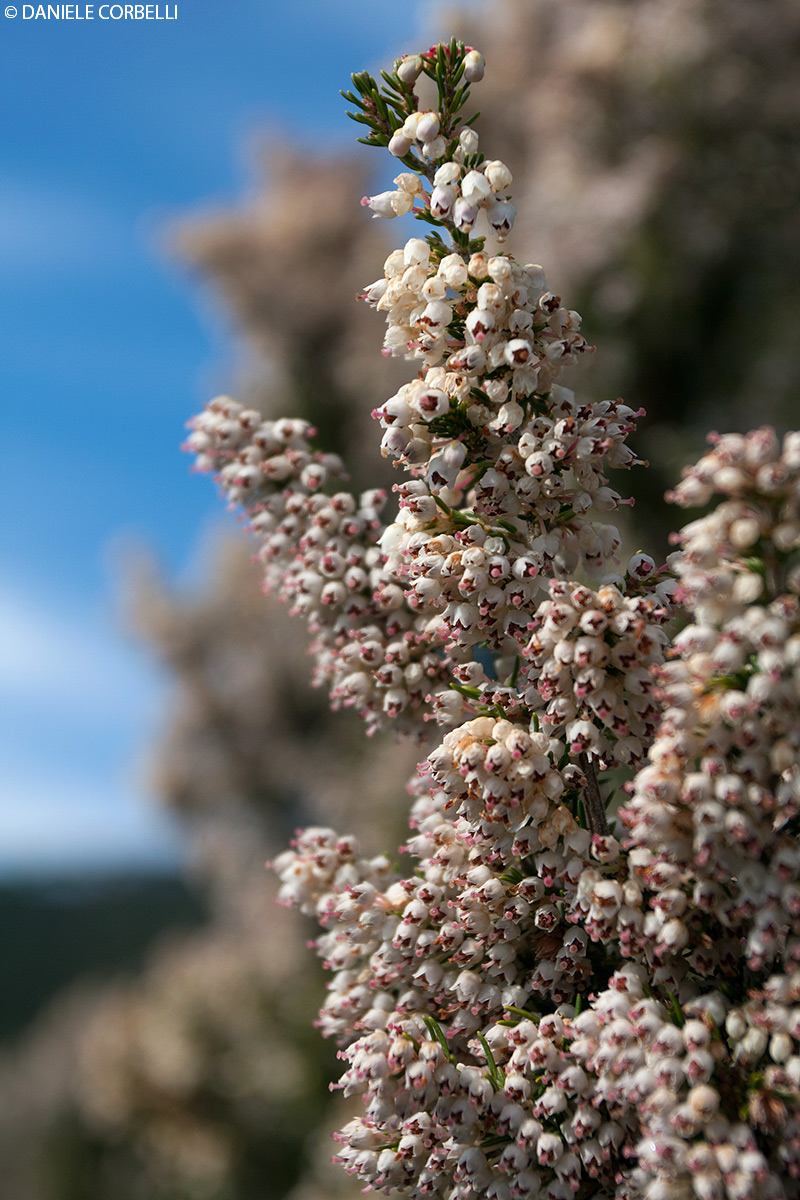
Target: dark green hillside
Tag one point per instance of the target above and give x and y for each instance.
(53, 931)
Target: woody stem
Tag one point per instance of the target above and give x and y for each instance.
(593, 801)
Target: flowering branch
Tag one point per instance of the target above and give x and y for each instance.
(549, 1002)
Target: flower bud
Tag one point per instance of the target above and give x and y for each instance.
(478, 266)
(409, 69)
(468, 141)
(434, 288)
(474, 66)
(751, 1047)
(410, 125)
(490, 296)
(703, 1101)
(498, 175)
(428, 126)
(499, 268)
(780, 1047)
(744, 532)
(453, 271)
(434, 150)
(399, 144)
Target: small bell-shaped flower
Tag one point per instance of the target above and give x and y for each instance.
(465, 215)
(501, 216)
(442, 200)
(475, 188)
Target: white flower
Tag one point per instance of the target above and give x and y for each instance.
(475, 188)
(375, 291)
(448, 173)
(389, 204)
(442, 199)
(498, 175)
(434, 149)
(431, 403)
(480, 322)
(416, 251)
(453, 271)
(445, 465)
(501, 216)
(465, 214)
(381, 204)
(517, 352)
(436, 314)
(409, 183)
(495, 606)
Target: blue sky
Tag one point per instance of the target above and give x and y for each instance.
(112, 130)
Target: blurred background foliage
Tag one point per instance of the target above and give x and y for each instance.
(655, 146)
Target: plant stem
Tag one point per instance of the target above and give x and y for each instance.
(592, 801)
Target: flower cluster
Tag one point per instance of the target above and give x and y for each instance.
(427, 969)
(594, 653)
(715, 810)
(320, 554)
(547, 998)
(483, 314)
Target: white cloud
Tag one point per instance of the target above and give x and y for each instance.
(56, 823)
(59, 659)
(77, 704)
